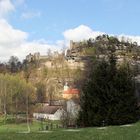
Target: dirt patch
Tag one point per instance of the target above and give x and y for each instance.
(72, 130)
(102, 128)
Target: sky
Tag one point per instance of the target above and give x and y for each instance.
(28, 26)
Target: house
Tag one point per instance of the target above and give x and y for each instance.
(49, 112)
(70, 92)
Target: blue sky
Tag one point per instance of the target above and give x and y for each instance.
(52, 23)
(56, 16)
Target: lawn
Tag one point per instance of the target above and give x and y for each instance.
(16, 132)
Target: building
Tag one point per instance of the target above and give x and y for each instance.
(49, 112)
(33, 57)
(73, 107)
(70, 92)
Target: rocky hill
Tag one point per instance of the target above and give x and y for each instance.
(56, 70)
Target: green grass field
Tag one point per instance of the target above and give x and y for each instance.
(17, 132)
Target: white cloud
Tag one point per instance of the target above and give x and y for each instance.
(32, 47)
(6, 6)
(14, 42)
(129, 38)
(25, 48)
(29, 15)
(81, 32)
(9, 35)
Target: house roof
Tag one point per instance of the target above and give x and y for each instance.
(49, 109)
(71, 91)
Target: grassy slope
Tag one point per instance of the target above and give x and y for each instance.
(9, 132)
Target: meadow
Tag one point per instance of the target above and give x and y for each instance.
(19, 132)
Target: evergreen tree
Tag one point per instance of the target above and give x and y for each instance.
(107, 96)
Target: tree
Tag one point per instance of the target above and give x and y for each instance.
(41, 92)
(14, 64)
(107, 94)
(49, 54)
(13, 94)
(28, 69)
(3, 68)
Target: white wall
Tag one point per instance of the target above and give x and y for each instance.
(56, 116)
(72, 108)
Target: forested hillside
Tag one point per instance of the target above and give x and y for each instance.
(42, 78)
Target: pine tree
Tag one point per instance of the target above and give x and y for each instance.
(107, 96)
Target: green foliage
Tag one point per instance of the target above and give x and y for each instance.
(99, 46)
(113, 40)
(13, 94)
(89, 51)
(108, 94)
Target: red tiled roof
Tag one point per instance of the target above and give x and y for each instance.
(72, 91)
